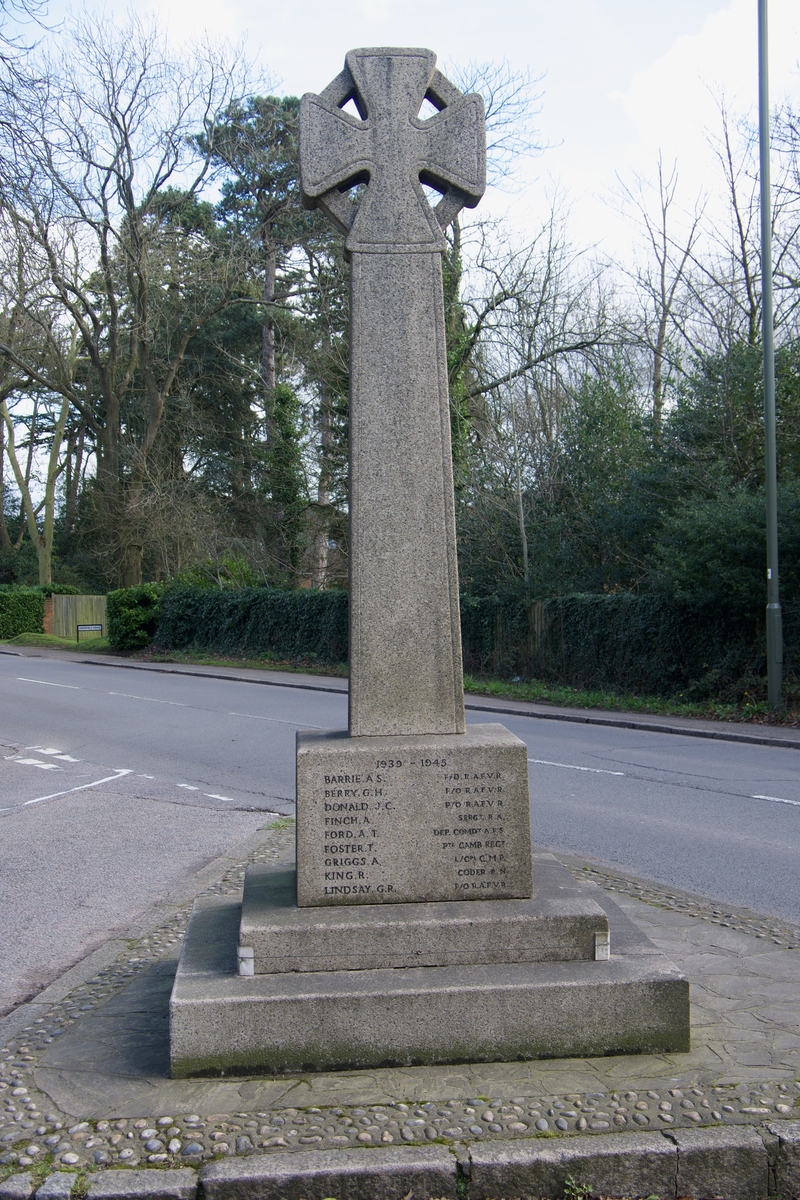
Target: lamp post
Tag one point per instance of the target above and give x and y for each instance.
(774, 619)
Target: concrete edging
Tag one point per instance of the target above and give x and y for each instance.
(740, 1162)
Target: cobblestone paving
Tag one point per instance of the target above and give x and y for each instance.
(639, 1092)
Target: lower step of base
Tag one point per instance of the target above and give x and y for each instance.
(224, 1023)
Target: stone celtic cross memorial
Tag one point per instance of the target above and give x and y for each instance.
(409, 931)
(409, 806)
(405, 649)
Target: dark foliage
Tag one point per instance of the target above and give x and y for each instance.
(21, 611)
(133, 614)
(302, 624)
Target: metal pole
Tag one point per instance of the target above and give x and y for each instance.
(774, 620)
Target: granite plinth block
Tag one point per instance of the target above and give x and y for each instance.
(177, 1184)
(559, 924)
(57, 1186)
(787, 1167)
(224, 1023)
(412, 818)
(17, 1187)
(728, 1161)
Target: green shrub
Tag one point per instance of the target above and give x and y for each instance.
(21, 611)
(300, 624)
(712, 552)
(60, 589)
(649, 643)
(133, 614)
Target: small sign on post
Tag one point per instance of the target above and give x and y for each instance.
(89, 629)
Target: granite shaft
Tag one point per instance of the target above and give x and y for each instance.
(405, 636)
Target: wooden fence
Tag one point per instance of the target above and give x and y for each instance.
(63, 615)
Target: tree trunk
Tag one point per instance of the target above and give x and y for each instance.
(319, 554)
(268, 334)
(5, 538)
(75, 467)
(130, 569)
(658, 374)
(44, 546)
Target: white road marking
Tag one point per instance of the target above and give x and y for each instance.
(131, 696)
(67, 792)
(777, 799)
(72, 687)
(188, 787)
(31, 762)
(54, 753)
(277, 721)
(543, 762)
(212, 796)
(145, 776)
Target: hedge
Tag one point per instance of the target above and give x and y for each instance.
(646, 643)
(649, 643)
(133, 615)
(299, 624)
(21, 611)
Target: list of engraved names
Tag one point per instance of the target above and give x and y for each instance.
(417, 806)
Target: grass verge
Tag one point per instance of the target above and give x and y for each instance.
(48, 640)
(265, 662)
(533, 690)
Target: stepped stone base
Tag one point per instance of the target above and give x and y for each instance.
(559, 924)
(222, 1023)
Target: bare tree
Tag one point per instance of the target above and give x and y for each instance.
(512, 104)
(662, 279)
(531, 307)
(106, 192)
(39, 350)
(539, 320)
(786, 216)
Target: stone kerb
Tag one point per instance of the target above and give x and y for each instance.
(737, 1162)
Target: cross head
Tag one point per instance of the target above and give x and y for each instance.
(391, 149)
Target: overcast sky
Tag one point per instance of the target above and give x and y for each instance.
(622, 79)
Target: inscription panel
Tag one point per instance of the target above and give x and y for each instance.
(412, 818)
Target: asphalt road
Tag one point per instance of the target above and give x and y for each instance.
(115, 784)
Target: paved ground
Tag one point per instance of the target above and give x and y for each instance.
(85, 1065)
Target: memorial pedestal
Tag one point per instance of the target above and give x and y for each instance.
(332, 988)
(559, 924)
